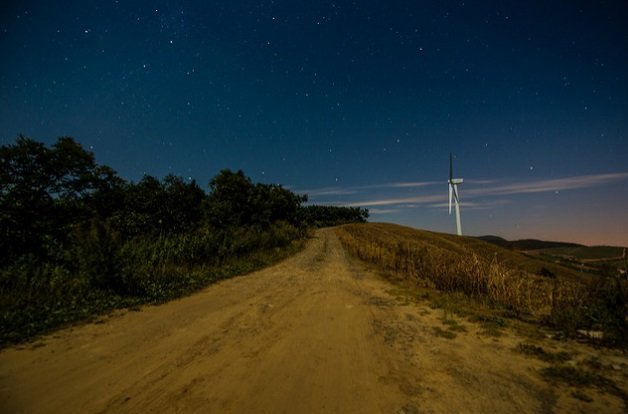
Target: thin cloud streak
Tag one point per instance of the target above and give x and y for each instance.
(328, 191)
(359, 188)
(472, 205)
(383, 210)
(413, 184)
(395, 201)
(478, 182)
(439, 200)
(541, 186)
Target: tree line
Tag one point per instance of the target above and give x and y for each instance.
(76, 238)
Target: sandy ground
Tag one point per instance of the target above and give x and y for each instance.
(317, 333)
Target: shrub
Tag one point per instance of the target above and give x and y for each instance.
(98, 255)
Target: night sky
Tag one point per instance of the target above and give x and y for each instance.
(353, 102)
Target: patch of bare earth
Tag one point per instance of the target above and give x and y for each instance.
(317, 333)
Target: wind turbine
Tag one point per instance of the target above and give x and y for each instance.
(453, 192)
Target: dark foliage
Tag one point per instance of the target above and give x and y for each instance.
(154, 207)
(322, 216)
(78, 240)
(43, 192)
(547, 273)
(234, 201)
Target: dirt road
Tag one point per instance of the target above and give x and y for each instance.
(314, 334)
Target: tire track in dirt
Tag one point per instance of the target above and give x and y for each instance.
(316, 333)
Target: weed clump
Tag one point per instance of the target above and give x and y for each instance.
(543, 355)
(569, 375)
(577, 377)
(448, 334)
(579, 395)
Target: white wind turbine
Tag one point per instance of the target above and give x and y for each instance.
(453, 192)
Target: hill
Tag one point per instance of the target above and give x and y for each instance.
(527, 244)
(597, 260)
(526, 285)
(486, 249)
(586, 253)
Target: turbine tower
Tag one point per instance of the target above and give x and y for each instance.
(453, 192)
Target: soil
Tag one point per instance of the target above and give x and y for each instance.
(317, 333)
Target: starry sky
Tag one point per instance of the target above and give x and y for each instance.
(353, 102)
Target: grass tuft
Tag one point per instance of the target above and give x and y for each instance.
(577, 377)
(580, 395)
(569, 375)
(539, 353)
(448, 334)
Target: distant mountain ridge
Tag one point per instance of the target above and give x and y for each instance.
(526, 244)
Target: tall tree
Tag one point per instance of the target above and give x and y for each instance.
(154, 207)
(42, 191)
(230, 200)
(235, 201)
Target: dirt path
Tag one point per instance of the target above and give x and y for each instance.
(314, 334)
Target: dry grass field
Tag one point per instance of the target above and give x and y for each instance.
(526, 287)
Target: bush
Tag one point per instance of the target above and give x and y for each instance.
(36, 296)
(97, 248)
(324, 216)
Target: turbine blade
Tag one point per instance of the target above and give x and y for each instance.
(451, 167)
(450, 194)
(456, 196)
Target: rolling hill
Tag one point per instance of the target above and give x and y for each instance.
(528, 244)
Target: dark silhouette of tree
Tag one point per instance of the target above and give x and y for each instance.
(235, 201)
(274, 203)
(322, 216)
(109, 194)
(42, 192)
(182, 207)
(154, 207)
(230, 200)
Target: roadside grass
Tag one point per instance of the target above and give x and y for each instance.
(445, 275)
(452, 323)
(492, 285)
(582, 378)
(29, 311)
(569, 375)
(492, 325)
(491, 319)
(438, 331)
(539, 353)
(581, 395)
